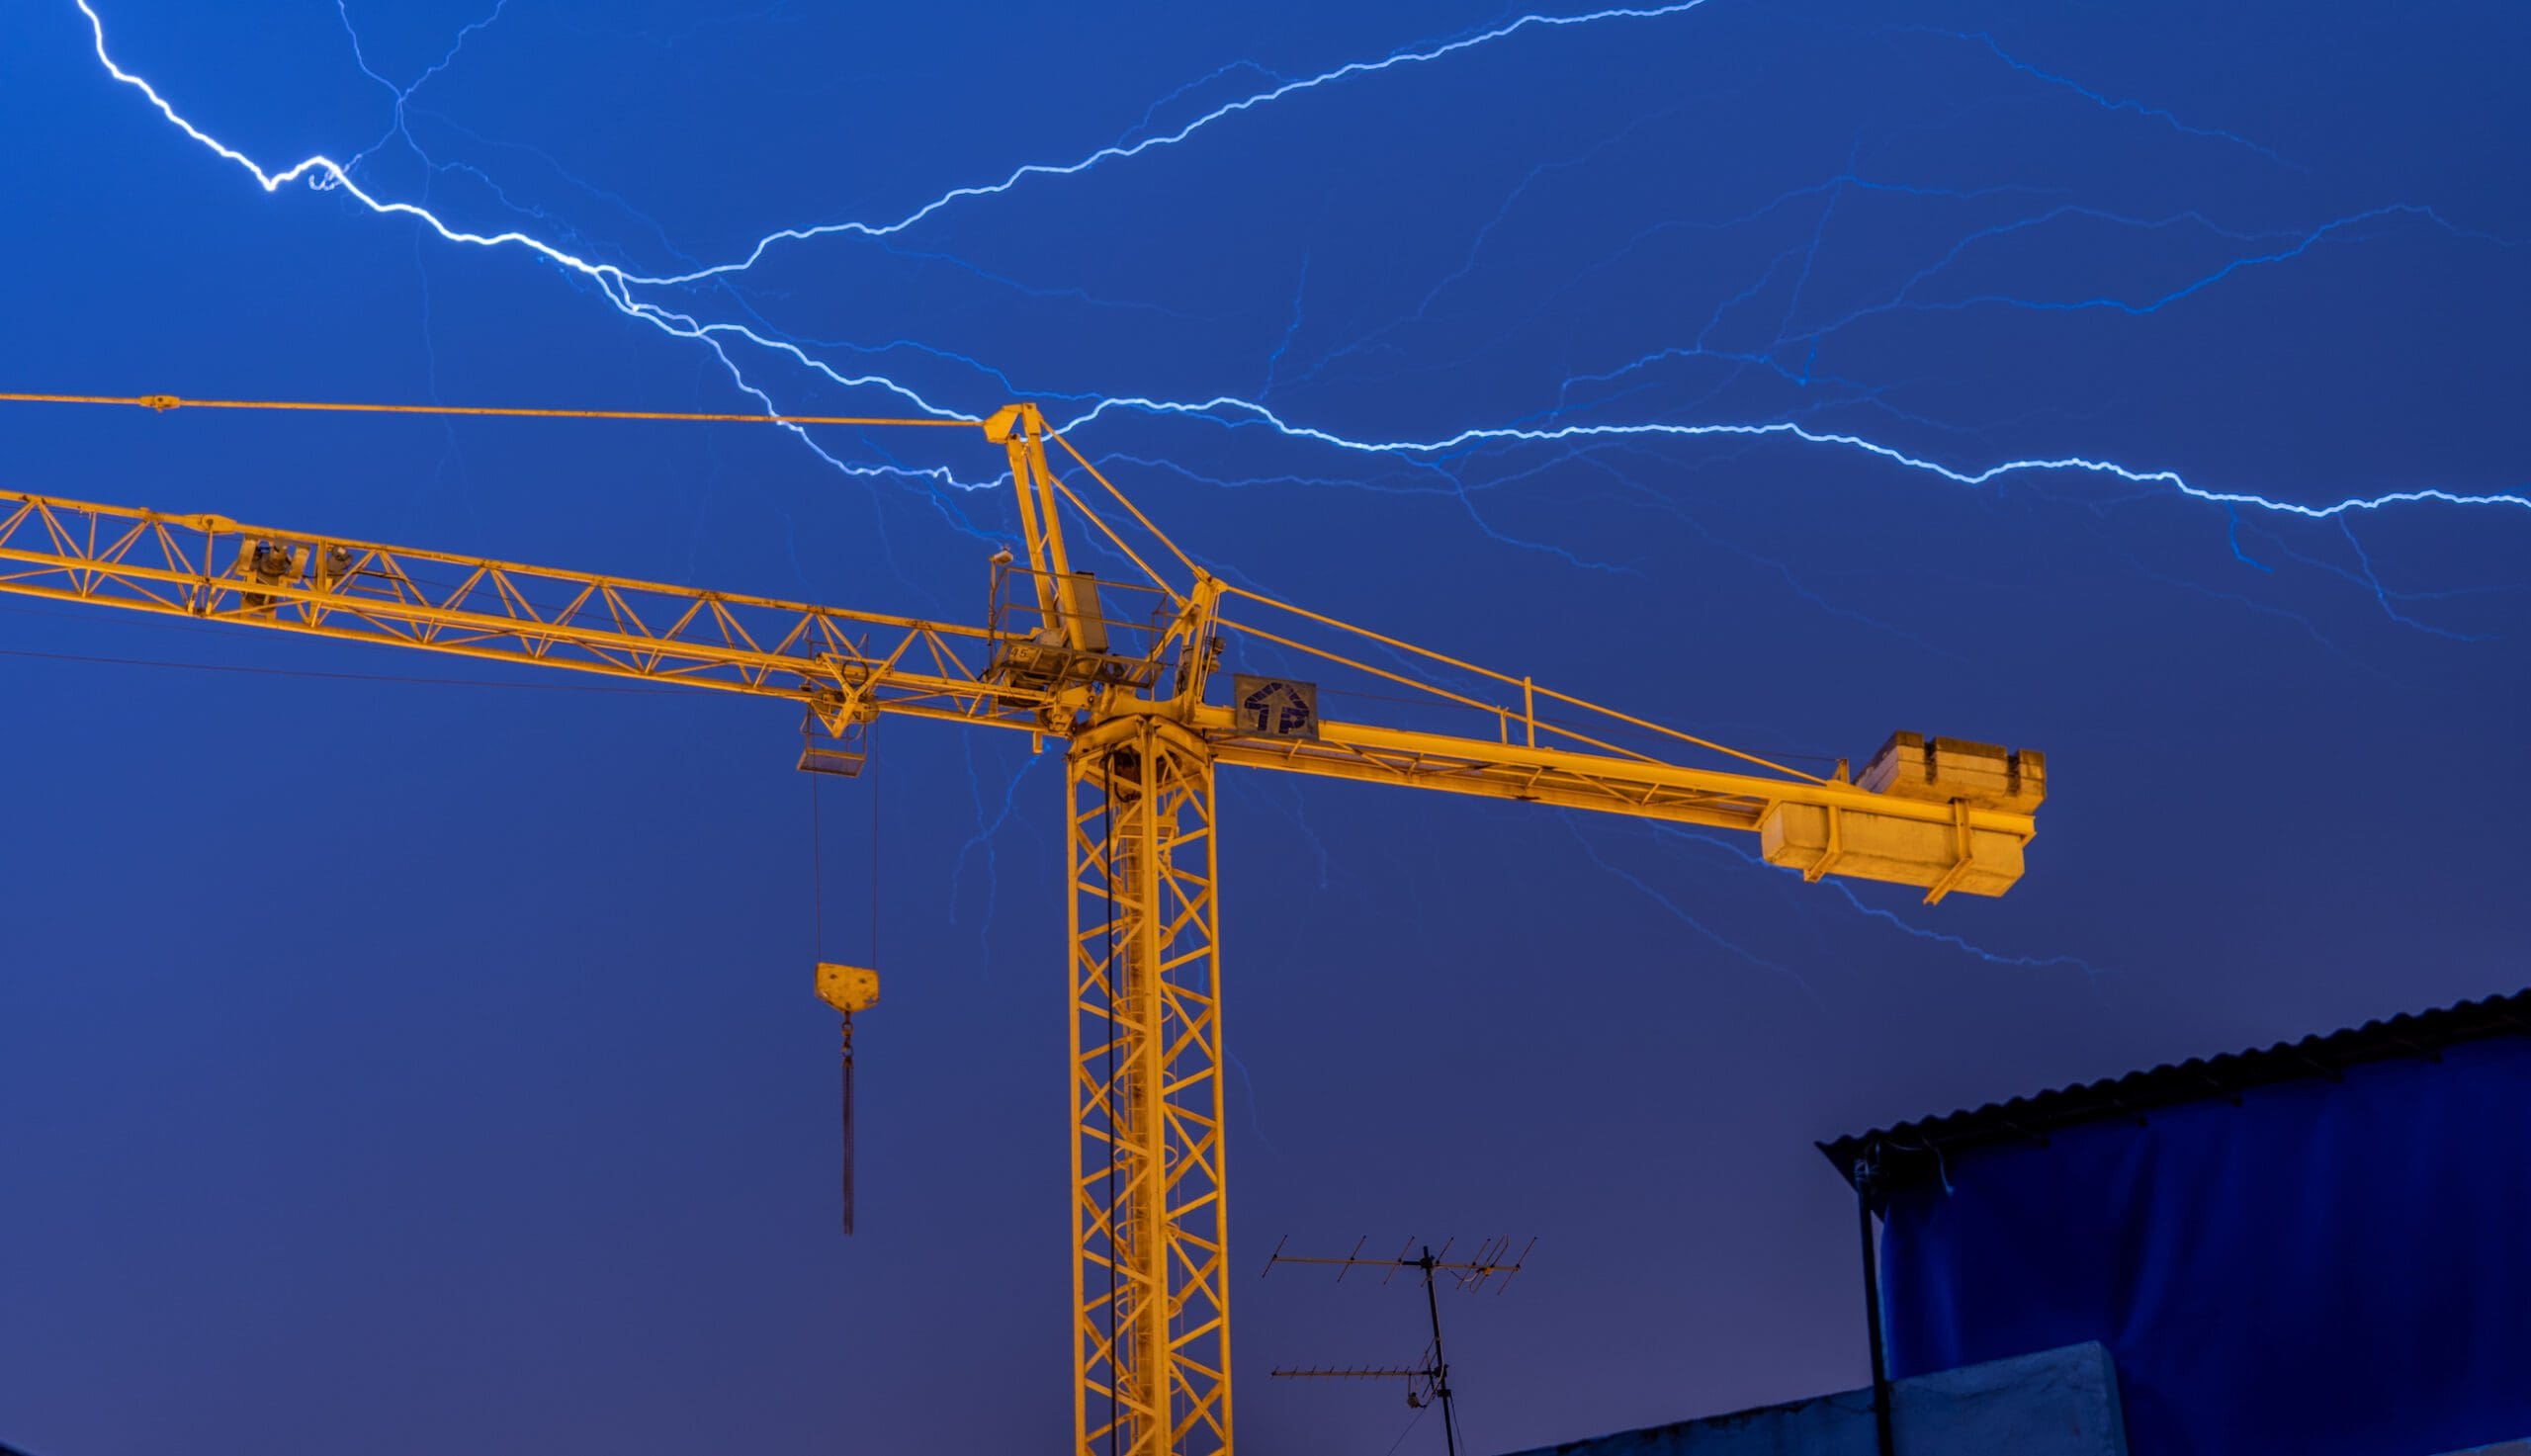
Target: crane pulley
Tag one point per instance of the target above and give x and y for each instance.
(1126, 675)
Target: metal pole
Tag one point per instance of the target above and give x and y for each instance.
(1885, 1441)
(1440, 1366)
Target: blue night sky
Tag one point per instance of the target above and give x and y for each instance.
(396, 1066)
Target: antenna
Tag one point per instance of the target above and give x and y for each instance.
(1423, 1382)
(1431, 1380)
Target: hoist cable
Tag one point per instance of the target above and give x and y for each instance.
(870, 750)
(847, 1124)
(816, 875)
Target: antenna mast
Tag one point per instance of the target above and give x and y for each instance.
(1470, 1274)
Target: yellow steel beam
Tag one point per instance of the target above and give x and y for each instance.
(1807, 825)
(211, 568)
(162, 403)
(1470, 765)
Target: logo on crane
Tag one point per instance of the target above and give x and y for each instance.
(1274, 707)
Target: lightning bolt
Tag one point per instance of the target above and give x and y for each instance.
(618, 285)
(1232, 410)
(2105, 103)
(1674, 834)
(1123, 151)
(981, 842)
(1591, 852)
(404, 94)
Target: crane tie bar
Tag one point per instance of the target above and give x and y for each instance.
(162, 403)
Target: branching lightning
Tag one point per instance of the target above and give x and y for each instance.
(1674, 834)
(1235, 410)
(982, 841)
(2105, 103)
(1592, 852)
(619, 287)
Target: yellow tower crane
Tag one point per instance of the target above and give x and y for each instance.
(1129, 678)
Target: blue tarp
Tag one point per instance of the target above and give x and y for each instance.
(2330, 1268)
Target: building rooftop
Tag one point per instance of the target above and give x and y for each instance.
(1915, 1149)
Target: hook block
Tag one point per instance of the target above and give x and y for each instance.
(847, 988)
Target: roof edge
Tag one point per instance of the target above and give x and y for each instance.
(1909, 1150)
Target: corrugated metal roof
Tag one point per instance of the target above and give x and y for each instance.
(1914, 1148)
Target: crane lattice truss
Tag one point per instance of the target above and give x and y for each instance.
(1128, 678)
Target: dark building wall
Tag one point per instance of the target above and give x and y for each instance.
(2314, 1267)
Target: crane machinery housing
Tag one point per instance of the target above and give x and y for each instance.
(1129, 677)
